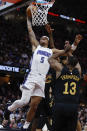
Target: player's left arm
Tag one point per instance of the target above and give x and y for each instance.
(50, 32)
(54, 63)
(54, 50)
(79, 68)
(53, 60)
(66, 50)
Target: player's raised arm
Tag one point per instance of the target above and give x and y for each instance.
(32, 36)
(50, 32)
(77, 40)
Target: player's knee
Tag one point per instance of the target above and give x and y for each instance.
(25, 101)
(35, 102)
(34, 106)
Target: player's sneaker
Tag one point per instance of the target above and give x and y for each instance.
(26, 125)
(22, 129)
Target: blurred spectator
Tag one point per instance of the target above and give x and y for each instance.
(16, 118)
(21, 123)
(1, 113)
(12, 122)
(5, 123)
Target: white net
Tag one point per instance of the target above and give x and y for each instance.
(39, 13)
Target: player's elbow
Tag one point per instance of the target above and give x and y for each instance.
(27, 11)
(50, 61)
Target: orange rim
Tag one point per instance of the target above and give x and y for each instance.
(34, 3)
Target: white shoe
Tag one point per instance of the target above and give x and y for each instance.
(26, 125)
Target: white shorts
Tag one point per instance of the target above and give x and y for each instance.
(36, 90)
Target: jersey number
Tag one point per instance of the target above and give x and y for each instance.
(42, 60)
(72, 90)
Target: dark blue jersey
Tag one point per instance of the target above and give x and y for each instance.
(67, 87)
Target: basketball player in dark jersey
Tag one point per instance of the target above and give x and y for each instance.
(66, 93)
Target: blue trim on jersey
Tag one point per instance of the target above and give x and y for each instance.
(45, 53)
(31, 62)
(24, 87)
(26, 76)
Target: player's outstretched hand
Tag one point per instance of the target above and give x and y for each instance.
(28, 11)
(49, 29)
(78, 38)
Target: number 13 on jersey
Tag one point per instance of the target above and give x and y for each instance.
(70, 88)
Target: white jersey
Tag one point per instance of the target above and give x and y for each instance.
(40, 65)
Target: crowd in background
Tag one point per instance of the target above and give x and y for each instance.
(82, 115)
(14, 44)
(8, 94)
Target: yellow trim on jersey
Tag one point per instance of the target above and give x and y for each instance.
(74, 77)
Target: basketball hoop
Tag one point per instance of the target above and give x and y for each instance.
(39, 12)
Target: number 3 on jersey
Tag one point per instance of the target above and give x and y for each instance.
(70, 88)
(42, 60)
